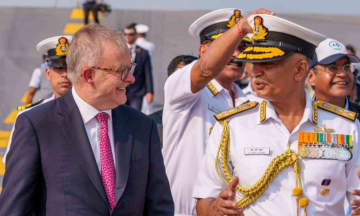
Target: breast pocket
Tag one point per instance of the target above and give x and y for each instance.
(317, 170)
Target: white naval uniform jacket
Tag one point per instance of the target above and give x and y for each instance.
(187, 120)
(246, 130)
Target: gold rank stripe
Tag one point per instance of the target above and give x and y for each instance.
(239, 109)
(263, 111)
(2, 166)
(21, 108)
(212, 88)
(336, 110)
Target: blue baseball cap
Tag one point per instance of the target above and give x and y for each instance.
(329, 51)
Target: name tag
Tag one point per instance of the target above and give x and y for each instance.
(213, 109)
(257, 151)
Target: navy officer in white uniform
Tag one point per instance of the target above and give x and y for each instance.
(287, 155)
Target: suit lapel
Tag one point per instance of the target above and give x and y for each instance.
(72, 126)
(123, 138)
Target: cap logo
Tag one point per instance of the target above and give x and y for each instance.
(62, 47)
(259, 31)
(335, 45)
(234, 18)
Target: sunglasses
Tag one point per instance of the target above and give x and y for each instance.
(131, 34)
(124, 71)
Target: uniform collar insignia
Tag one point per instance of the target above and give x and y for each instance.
(263, 111)
(212, 88)
(315, 113)
(62, 47)
(259, 31)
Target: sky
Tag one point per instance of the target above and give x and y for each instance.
(344, 7)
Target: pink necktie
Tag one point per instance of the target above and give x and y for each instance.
(106, 159)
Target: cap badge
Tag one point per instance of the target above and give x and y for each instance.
(62, 47)
(234, 18)
(259, 30)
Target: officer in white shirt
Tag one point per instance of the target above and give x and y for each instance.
(141, 40)
(331, 74)
(194, 94)
(288, 155)
(55, 73)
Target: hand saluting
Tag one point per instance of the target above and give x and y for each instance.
(355, 204)
(225, 204)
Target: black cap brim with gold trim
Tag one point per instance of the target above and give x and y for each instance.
(56, 49)
(212, 25)
(274, 38)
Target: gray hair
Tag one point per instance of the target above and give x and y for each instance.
(86, 48)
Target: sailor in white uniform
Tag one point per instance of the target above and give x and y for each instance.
(56, 73)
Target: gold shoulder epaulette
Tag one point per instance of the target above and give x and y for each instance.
(212, 88)
(232, 111)
(21, 108)
(336, 110)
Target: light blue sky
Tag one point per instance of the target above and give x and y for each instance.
(345, 7)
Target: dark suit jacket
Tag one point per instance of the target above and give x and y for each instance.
(51, 168)
(157, 117)
(143, 75)
(355, 108)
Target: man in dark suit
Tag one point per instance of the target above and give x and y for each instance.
(143, 85)
(85, 153)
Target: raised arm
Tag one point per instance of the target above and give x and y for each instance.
(218, 55)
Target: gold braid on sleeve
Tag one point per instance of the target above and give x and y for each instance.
(279, 163)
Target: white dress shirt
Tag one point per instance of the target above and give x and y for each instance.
(187, 120)
(92, 127)
(147, 45)
(247, 131)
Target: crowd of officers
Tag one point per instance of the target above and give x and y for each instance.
(268, 149)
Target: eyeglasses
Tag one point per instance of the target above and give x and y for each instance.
(124, 71)
(131, 34)
(335, 69)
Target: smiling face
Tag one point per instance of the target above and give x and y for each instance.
(110, 89)
(59, 81)
(332, 85)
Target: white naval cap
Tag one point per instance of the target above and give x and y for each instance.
(141, 28)
(331, 50)
(51, 43)
(214, 24)
(275, 38)
(56, 49)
